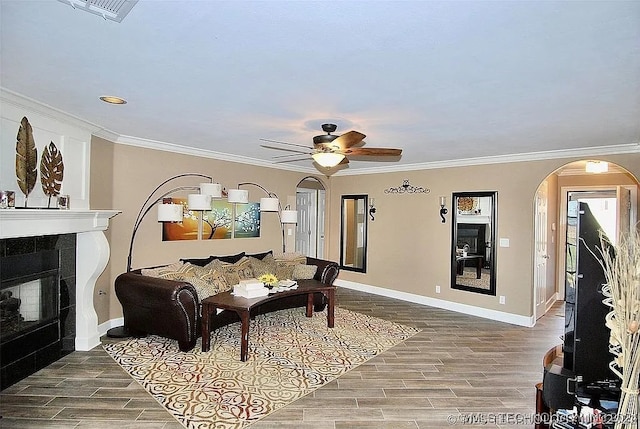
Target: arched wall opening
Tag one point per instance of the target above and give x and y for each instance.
(613, 193)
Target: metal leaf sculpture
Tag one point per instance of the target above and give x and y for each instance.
(26, 159)
(51, 171)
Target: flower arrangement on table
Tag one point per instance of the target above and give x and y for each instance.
(622, 292)
(269, 280)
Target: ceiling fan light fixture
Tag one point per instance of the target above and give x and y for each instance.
(328, 159)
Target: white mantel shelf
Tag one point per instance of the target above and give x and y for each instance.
(16, 223)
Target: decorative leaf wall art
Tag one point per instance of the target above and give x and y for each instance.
(51, 171)
(26, 159)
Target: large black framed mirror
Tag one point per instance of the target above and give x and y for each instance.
(473, 255)
(353, 233)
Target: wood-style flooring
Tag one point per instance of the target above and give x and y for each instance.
(456, 364)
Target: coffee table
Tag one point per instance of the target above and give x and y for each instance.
(244, 306)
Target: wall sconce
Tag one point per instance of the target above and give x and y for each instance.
(372, 209)
(443, 209)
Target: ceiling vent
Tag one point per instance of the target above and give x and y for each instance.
(114, 10)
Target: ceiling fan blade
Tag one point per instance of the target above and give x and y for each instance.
(348, 139)
(297, 155)
(285, 143)
(285, 149)
(291, 160)
(373, 151)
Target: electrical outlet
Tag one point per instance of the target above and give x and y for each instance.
(437, 289)
(503, 300)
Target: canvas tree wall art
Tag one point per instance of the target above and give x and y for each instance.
(223, 221)
(247, 220)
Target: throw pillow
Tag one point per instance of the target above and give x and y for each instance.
(233, 273)
(260, 255)
(156, 272)
(285, 262)
(290, 256)
(284, 270)
(263, 266)
(207, 282)
(201, 262)
(304, 272)
(231, 259)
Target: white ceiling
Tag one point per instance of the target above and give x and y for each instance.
(441, 80)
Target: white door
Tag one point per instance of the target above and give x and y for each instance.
(320, 224)
(541, 254)
(303, 226)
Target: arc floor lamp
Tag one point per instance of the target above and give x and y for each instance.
(170, 213)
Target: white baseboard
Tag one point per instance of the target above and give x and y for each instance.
(113, 323)
(514, 319)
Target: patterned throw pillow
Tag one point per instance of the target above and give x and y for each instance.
(206, 282)
(260, 255)
(155, 272)
(290, 256)
(233, 272)
(285, 263)
(304, 272)
(265, 266)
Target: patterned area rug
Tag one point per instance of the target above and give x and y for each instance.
(290, 355)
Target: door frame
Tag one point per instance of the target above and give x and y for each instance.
(562, 223)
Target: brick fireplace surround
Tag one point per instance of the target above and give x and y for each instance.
(85, 228)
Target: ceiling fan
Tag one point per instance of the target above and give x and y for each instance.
(330, 150)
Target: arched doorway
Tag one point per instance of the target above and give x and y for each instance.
(613, 195)
(311, 206)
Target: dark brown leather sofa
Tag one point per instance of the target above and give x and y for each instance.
(171, 308)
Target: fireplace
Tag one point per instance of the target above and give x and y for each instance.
(49, 263)
(37, 278)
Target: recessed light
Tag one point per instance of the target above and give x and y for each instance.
(113, 99)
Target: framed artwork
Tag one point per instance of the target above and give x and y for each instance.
(217, 223)
(247, 220)
(223, 221)
(185, 230)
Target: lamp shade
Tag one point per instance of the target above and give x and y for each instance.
(238, 196)
(199, 202)
(269, 204)
(328, 159)
(289, 216)
(169, 212)
(212, 189)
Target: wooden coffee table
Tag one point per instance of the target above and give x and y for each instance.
(243, 306)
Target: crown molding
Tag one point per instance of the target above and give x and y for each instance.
(580, 153)
(22, 102)
(203, 153)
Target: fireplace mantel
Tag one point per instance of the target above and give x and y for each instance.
(92, 254)
(33, 222)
